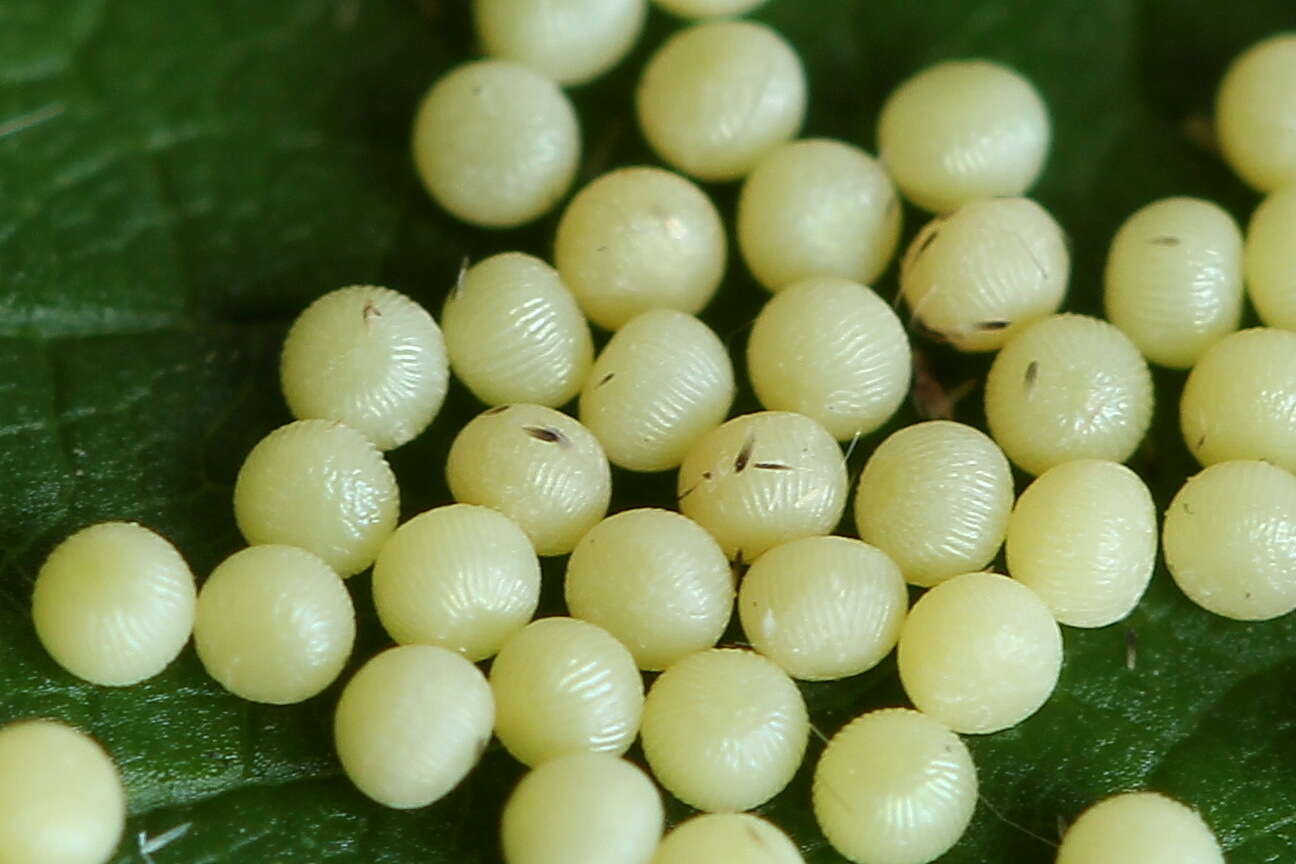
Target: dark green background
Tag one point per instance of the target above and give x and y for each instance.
(178, 179)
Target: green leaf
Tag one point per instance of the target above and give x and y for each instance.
(179, 179)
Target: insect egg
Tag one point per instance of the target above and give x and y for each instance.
(461, 576)
(274, 624)
(832, 350)
(640, 238)
(763, 479)
(114, 603)
(735, 838)
(1068, 387)
(724, 730)
(708, 8)
(583, 808)
(823, 607)
(817, 207)
(716, 97)
(495, 143)
(515, 333)
(653, 579)
(571, 41)
(1174, 279)
(1230, 540)
(961, 130)
(540, 468)
(976, 277)
(980, 653)
(1083, 537)
(894, 787)
(661, 382)
(1238, 400)
(61, 798)
(320, 486)
(1271, 259)
(411, 724)
(563, 685)
(1255, 113)
(370, 358)
(1139, 828)
(935, 497)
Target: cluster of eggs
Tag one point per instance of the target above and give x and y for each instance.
(638, 252)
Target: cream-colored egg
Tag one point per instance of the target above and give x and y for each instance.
(1230, 540)
(734, 838)
(114, 603)
(570, 41)
(961, 130)
(724, 730)
(495, 143)
(823, 607)
(540, 468)
(61, 797)
(640, 238)
(817, 207)
(832, 350)
(980, 653)
(1083, 537)
(708, 8)
(656, 581)
(274, 624)
(583, 808)
(976, 277)
(460, 576)
(663, 381)
(1174, 279)
(1271, 259)
(763, 479)
(1068, 387)
(1255, 113)
(935, 497)
(563, 685)
(411, 724)
(321, 486)
(515, 333)
(1139, 828)
(1240, 399)
(718, 96)
(894, 786)
(367, 357)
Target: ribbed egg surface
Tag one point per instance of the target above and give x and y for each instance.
(653, 579)
(515, 333)
(1230, 540)
(1239, 401)
(661, 382)
(724, 730)
(563, 685)
(535, 465)
(894, 787)
(1068, 387)
(977, 276)
(832, 350)
(1173, 282)
(1083, 537)
(321, 486)
(114, 603)
(640, 238)
(935, 497)
(961, 130)
(368, 357)
(823, 607)
(763, 479)
(460, 576)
